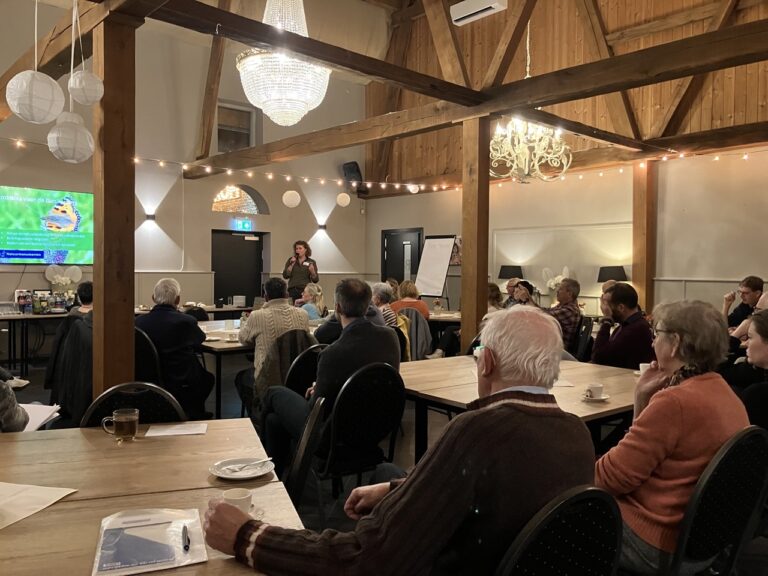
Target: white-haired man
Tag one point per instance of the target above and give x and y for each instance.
(492, 469)
(176, 336)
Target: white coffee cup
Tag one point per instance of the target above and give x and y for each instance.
(594, 391)
(644, 367)
(232, 337)
(239, 498)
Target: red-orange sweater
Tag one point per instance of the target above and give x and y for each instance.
(654, 469)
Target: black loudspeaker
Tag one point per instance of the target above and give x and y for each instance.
(352, 174)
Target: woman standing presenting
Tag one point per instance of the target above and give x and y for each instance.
(300, 269)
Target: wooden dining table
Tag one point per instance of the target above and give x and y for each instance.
(110, 477)
(451, 383)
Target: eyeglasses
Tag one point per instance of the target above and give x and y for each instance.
(657, 331)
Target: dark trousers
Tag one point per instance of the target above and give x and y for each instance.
(192, 396)
(295, 293)
(450, 341)
(284, 414)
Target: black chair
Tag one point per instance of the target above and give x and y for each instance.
(198, 313)
(295, 478)
(303, 370)
(726, 504)
(155, 404)
(578, 532)
(147, 359)
(583, 349)
(472, 345)
(403, 343)
(368, 409)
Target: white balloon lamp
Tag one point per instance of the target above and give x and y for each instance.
(86, 88)
(70, 141)
(343, 199)
(291, 198)
(34, 97)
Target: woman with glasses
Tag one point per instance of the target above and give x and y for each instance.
(755, 397)
(684, 412)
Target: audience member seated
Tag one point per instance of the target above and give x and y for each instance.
(13, 418)
(511, 300)
(739, 334)
(395, 289)
(750, 290)
(275, 318)
(382, 298)
(684, 412)
(631, 343)
(567, 312)
(330, 330)
(450, 340)
(177, 338)
(409, 298)
(312, 301)
(198, 313)
(523, 294)
(361, 343)
(755, 396)
(85, 298)
(468, 497)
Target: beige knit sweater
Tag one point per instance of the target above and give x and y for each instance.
(266, 325)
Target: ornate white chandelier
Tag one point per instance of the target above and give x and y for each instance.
(523, 148)
(282, 86)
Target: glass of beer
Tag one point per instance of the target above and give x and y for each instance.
(125, 424)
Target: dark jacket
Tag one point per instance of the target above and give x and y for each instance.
(75, 388)
(330, 330)
(630, 345)
(739, 314)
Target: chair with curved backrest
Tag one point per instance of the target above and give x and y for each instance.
(155, 404)
(368, 409)
(726, 504)
(577, 532)
(583, 350)
(303, 370)
(296, 477)
(403, 341)
(147, 359)
(472, 345)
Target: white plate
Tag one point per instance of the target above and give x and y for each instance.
(636, 372)
(212, 338)
(252, 472)
(603, 398)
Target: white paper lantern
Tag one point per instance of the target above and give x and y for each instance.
(69, 140)
(291, 198)
(34, 97)
(343, 199)
(86, 88)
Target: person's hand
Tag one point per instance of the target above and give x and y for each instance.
(650, 382)
(293, 260)
(310, 391)
(729, 298)
(363, 499)
(222, 522)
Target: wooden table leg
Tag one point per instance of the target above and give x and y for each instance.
(421, 429)
(218, 385)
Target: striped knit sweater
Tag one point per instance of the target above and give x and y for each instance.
(266, 325)
(13, 418)
(492, 469)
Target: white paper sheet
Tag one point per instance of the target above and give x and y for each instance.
(177, 429)
(17, 501)
(564, 383)
(39, 415)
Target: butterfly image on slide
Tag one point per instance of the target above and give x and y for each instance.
(63, 217)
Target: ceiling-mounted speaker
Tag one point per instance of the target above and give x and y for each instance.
(352, 174)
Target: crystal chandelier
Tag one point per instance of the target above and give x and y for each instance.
(234, 199)
(523, 148)
(284, 87)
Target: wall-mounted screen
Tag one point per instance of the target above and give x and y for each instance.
(45, 226)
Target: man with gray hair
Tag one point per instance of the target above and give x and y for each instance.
(177, 337)
(567, 312)
(493, 468)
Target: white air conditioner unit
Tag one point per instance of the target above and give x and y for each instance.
(471, 10)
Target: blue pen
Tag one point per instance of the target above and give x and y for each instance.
(185, 538)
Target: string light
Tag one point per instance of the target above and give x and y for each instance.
(136, 160)
(270, 175)
(19, 143)
(287, 177)
(621, 170)
(185, 167)
(339, 182)
(383, 185)
(229, 172)
(664, 158)
(601, 174)
(306, 180)
(208, 169)
(642, 164)
(249, 174)
(745, 157)
(717, 158)
(581, 176)
(161, 164)
(322, 181)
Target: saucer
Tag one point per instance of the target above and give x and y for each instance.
(217, 469)
(212, 338)
(637, 373)
(602, 398)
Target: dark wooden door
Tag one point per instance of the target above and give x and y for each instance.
(400, 253)
(236, 260)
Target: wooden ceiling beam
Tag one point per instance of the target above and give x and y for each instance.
(206, 19)
(687, 89)
(674, 20)
(513, 33)
(53, 48)
(446, 42)
(619, 106)
(211, 96)
(543, 117)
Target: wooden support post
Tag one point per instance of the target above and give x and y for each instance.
(474, 226)
(114, 129)
(644, 216)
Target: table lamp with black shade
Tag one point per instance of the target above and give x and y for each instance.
(611, 273)
(507, 272)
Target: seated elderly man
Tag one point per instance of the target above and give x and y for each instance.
(13, 418)
(631, 343)
(177, 336)
(275, 318)
(361, 343)
(493, 468)
(567, 312)
(750, 290)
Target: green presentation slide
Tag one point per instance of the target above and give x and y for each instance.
(45, 226)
